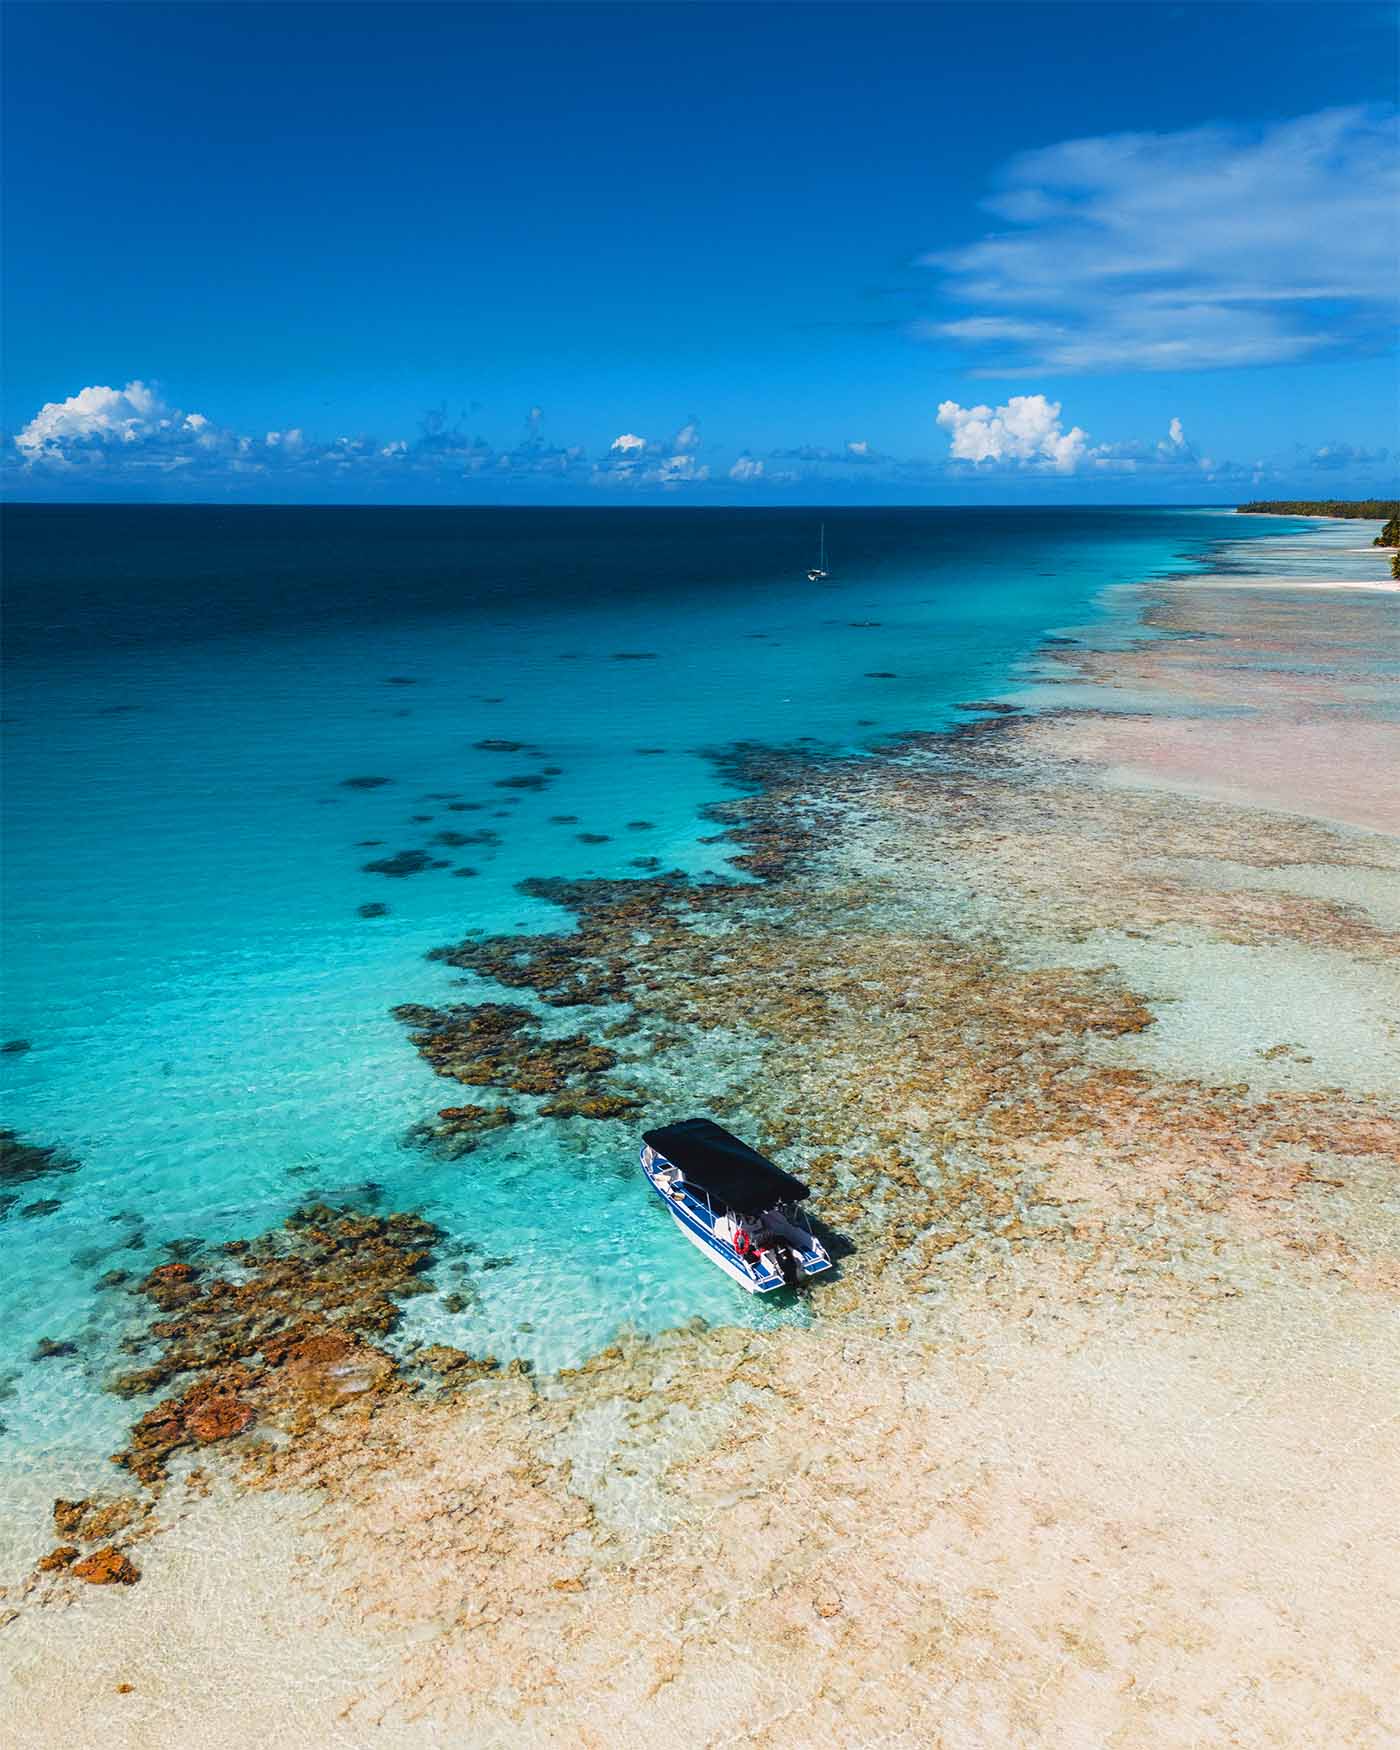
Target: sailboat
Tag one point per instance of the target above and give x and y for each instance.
(818, 571)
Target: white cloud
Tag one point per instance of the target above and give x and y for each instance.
(100, 416)
(747, 467)
(101, 429)
(1176, 434)
(1341, 455)
(1185, 251)
(1026, 431)
(675, 470)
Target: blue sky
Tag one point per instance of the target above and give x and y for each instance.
(712, 252)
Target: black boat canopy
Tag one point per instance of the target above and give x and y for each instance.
(729, 1170)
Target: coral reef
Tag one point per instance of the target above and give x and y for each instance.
(283, 1336)
(21, 1163)
(501, 1045)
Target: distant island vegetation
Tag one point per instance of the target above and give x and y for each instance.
(1353, 507)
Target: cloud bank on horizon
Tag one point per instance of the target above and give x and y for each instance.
(1208, 248)
(102, 435)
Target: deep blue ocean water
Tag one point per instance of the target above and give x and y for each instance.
(208, 1014)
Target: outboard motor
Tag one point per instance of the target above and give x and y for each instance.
(790, 1269)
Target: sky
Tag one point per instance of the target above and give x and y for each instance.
(703, 253)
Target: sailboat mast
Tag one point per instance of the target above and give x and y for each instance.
(822, 561)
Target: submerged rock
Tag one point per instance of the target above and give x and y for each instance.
(401, 864)
(477, 1117)
(171, 1285)
(15, 1048)
(458, 1128)
(107, 1567)
(93, 1521)
(455, 1364)
(51, 1348)
(22, 1162)
(592, 1105)
(373, 909)
(364, 783)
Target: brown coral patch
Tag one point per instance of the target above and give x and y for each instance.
(501, 1045)
(93, 1521)
(285, 1340)
(107, 1567)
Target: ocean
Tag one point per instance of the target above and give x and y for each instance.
(218, 720)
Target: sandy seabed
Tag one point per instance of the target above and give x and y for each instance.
(1083, 1027)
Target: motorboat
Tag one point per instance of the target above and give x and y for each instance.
(734, 1204)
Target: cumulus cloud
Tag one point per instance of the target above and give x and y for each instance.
(1184, 251)
(133, 433)
(100, 417)
(628, 445)
(747, 468)
(1026, 431)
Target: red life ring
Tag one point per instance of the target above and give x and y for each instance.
(742, 1244)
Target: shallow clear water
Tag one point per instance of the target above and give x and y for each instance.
(208, 1013)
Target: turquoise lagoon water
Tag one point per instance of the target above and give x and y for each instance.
(208, 1012)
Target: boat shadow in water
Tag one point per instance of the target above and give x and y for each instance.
(839, 1246)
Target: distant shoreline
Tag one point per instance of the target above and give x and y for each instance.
(1323, 509)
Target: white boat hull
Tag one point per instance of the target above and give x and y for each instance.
(730, 1266)
(762, 1277)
